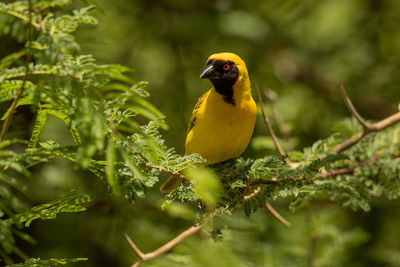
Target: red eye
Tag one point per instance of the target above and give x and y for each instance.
(226, 67)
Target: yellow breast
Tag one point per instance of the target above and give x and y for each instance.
(222, 131)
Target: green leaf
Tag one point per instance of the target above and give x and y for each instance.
(67, 203)
(41, 119)
(73, 130)
(11, 58)
(28, 100)
(111, 177)
(36, 262)
(206, 184)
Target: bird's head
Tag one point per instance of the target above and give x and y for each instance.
(224, 67)
(224, 70)
(228, 73)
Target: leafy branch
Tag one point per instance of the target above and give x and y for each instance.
(13, 106)
(164, 248)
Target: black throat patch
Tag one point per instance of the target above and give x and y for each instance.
(227, 78)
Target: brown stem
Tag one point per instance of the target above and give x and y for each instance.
(375, 127)
(251, 195)
(332, 173)
(367, 127)
(352, 109)
(266, 120)
(163, 249)
(276, 214)
(11, 109)
(276, 116)
(336, 172)
(268, 206)
(262, 181)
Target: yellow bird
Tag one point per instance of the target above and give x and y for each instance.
(223, 118)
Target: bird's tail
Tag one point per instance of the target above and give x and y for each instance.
(171, 183)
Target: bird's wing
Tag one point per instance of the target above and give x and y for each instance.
(192, 120)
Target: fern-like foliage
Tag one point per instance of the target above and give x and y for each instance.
(114, 127)
(116, 134)
(47, 262)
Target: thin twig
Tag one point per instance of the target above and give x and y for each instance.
(163, 249)
(353, 110)
(268, 182)
(266, 120)
(139, 253)
(268, 206)
(40, 20)
(276, 214)
(337, 172)
(11, 109)
(367, 127)
(251, 195)
(276, 116)
(375, 127)
(332, 173)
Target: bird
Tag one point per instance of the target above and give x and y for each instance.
(223, 119)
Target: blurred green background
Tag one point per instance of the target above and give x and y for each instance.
(301, 51)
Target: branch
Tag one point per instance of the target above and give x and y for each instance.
(348, 170)
(42, 28)
(367, 127)
(273, 181)
(375, 127)
(268, 207)
(163, 249)
(276, 214)
(266, 120)
(13, 106)
(337, 172)
(353, 110)
(332, 173)
(254, 193)
(272, 97)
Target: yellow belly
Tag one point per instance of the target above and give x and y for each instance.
(221, 131)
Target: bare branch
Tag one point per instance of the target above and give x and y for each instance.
(266, 120)
(276, 214)
(353, 110)
(272, 96)
(367, 127)
(163, 249)
(268, 206)
(337, 172)
(11, 109)
(138, 252)
(255, 192)
(375, 127)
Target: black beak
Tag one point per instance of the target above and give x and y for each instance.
(209, 73)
